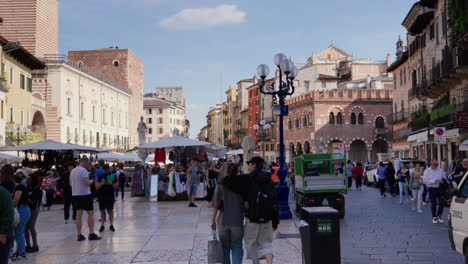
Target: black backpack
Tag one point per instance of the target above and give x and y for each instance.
(260, 209)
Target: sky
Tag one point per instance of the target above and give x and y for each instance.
(206, 46)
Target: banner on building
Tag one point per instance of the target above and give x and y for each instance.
(338, 148)
(462, 119)
(440, 135)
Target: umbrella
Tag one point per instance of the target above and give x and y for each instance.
(50, 145)
(174, 142)
(248, 147)
(240, 152)
(110, 156)
(5, 158)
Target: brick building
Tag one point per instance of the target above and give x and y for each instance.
(349, 120)
(32, 23)
(124, 67)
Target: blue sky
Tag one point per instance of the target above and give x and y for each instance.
(208, 45)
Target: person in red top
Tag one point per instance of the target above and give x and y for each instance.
(358, 173)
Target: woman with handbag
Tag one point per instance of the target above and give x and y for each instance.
(403, 177)
(20, 201)
(416, 187)
(228, 217)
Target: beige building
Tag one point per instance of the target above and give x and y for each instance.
(231, 124)
(16, 106)
(215, 125)
(163, 118)
(332, 66)
(84, 107)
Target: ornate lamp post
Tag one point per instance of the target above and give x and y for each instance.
(285, 87)
(264, 126)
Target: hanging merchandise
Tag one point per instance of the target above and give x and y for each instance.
(201, 154)
(160, 155)
(138, 182)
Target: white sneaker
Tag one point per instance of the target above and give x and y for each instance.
(440, 220)
(419, 211)
(434, 220)
(424, 203)
(66, 221)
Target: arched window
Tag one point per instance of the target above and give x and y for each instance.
(339, 119)
(379, 122)
(353, 118)
(304, 121)
(116, 63)
(360, 119)
(332, 118)
(298, 124)
(289, 124)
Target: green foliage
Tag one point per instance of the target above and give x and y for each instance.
(457, 20)
(25, 138)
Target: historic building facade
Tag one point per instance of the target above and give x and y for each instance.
(124, 67)
(16, 106)
(163, 118)
(352, 121)
(84, 107)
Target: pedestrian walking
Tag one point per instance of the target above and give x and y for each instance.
(34, 201)
(349, 171)
(81, 195)
(416, 187)
(6, 224)
(105, 185)
(391, 178)
(64, 186)
(433, 177)
(20, 201)
(192, 182)
(261, 209)
(358, 174)
(122, 179)
(228, 218)
(382, 175)
(403, 177)
(460, 171)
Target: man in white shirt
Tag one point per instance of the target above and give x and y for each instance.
(433, 176)
(81, 196)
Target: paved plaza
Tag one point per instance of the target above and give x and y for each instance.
(375, 230)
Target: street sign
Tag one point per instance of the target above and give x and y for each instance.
(280, 110)
(439, 135)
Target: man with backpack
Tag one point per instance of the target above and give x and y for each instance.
(260, 209)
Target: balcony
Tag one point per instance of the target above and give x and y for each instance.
(398, 117)
(401, 133)
(449, 72)
(421, 22)
(384, 132)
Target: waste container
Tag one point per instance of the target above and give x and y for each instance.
(320, 235)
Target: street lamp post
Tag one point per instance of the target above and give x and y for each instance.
(17, 129)
(285, 87)
(264, 127)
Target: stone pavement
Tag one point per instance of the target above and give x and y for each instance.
(375, 230)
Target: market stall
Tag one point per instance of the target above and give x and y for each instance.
(177, 151)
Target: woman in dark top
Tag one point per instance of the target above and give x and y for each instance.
(211, 179)
(7, 178)
(34, 201)
(391, 178)
(20, 201)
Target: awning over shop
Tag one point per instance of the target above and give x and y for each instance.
(400, 148)
(419, 137)
(464, 146)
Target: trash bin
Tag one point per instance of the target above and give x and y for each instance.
(320, 235)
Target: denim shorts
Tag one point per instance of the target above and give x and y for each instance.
(193, 188)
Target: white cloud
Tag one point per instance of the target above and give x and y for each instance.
(195, 18)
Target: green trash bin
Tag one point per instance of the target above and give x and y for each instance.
(320, 235)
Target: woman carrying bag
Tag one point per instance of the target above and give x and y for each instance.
(417, 187)
(228, 218)
(20, 201)
(403, 177)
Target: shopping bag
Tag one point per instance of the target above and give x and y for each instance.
(215, 249)
(44, 197)
(16, 217)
